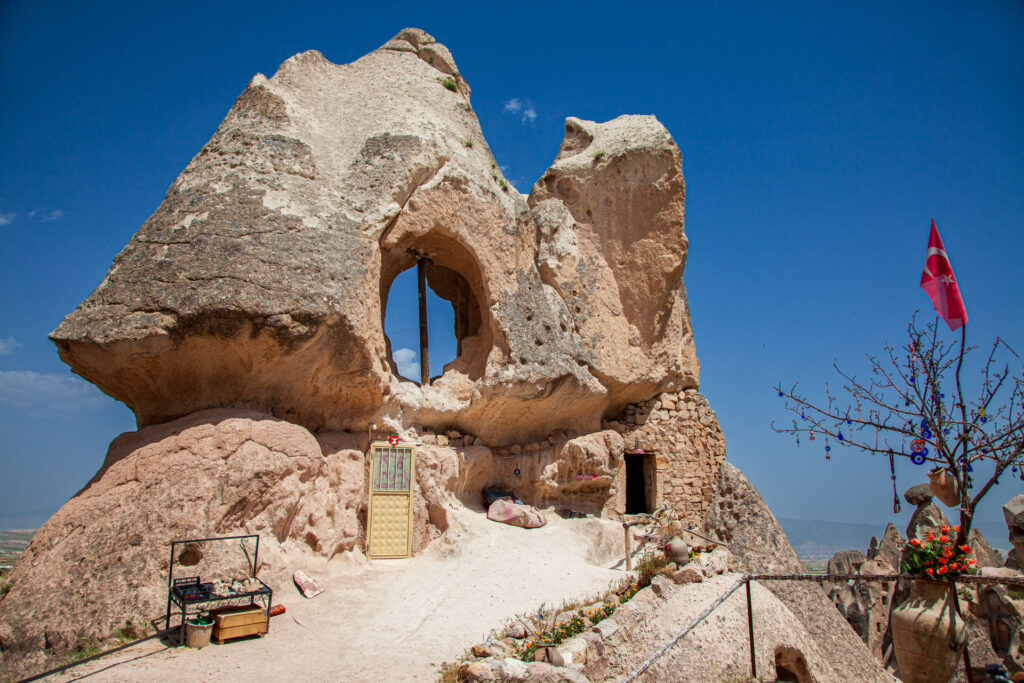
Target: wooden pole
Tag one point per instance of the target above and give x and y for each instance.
(421, 276)
(625, 534)
(750, 631)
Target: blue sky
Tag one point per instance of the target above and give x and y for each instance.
(818, 140)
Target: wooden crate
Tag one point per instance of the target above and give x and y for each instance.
(236, 622)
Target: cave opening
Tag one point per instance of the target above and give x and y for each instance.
(431, 311)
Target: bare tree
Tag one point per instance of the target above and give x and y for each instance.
(914, 403)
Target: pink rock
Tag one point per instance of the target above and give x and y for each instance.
(308, 586)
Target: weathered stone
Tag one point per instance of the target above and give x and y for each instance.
(890, 549)
(981, 551)
(691, 573)
(739, 517)
(479, 671)
(607, 628)
(481, 650)
(261, 278)
(513, 669)
(846, 562)
(572, 651)
(662, 586)
(918, 495)
(927, 517)
(308, 586)
(1013, 513)
(540, 672)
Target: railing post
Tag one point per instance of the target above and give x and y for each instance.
(750, 631)
(625, 533)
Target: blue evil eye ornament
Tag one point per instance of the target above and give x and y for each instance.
(918, 458)
(517, 471)
(839, 436)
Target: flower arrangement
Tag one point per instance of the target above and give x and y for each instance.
(630, 591)
(938, 558)
(551, 637)
(599, 614)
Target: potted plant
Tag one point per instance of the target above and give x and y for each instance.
(928, 632)
(198, 630)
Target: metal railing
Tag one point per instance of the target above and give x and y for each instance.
(820, 578)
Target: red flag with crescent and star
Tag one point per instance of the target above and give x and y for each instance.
(939, 284)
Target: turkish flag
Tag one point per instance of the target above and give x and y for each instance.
(939, 284)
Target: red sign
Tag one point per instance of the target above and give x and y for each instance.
(393, 439)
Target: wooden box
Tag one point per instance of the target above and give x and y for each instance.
(236, 622)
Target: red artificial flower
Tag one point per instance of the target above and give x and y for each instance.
(972, 561)
(943, 560)
(931, 536)
(956, 528)
(943, 539)
(914, 542)
(929, 571)
(945, 528)
(942, 570)
(947, 553)
(966, 549)
(954, 566)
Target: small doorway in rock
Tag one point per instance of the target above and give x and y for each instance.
(638, 489)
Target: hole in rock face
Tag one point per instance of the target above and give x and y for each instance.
(791, 666)
(402, 327)
(191, 555)
(458, 334)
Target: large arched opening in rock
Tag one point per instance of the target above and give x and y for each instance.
(454, 292)
(402, 329)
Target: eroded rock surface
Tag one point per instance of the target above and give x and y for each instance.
(261, 279)
(740, 517)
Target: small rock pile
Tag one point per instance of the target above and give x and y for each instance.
(584, 656)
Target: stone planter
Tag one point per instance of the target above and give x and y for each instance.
(928, 633)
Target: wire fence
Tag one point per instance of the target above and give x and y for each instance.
(819, 578)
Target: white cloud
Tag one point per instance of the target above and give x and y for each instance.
(43, 394)
(46, 216)
(8, 345)
(6, 218)
(407, 362)
(521, 107)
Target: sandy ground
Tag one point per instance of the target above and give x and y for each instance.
(396, 620)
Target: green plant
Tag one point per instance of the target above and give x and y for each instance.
(5, 587)
(551, 637)
(598, 156)
(1015, 593)
(468, 143)
(448, 83)
(630, 591)
(504, 185)
(648, 567)
(938, 558)
(84, 649)
(599, 614)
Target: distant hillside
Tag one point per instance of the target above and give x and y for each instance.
(12, 543)
(815, 540)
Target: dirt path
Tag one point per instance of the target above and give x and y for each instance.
(397, 620)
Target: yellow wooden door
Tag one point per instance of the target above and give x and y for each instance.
(389, 527)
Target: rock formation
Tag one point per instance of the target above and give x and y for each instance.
(243, 324)
(740, 518)
(261, 279)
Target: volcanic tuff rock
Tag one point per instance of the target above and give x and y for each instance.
(261, 279)
(740, 517)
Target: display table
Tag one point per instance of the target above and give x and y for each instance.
(193, 597)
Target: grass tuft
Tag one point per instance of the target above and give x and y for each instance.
(448, 83)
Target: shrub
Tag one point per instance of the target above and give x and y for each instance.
(448, 83)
